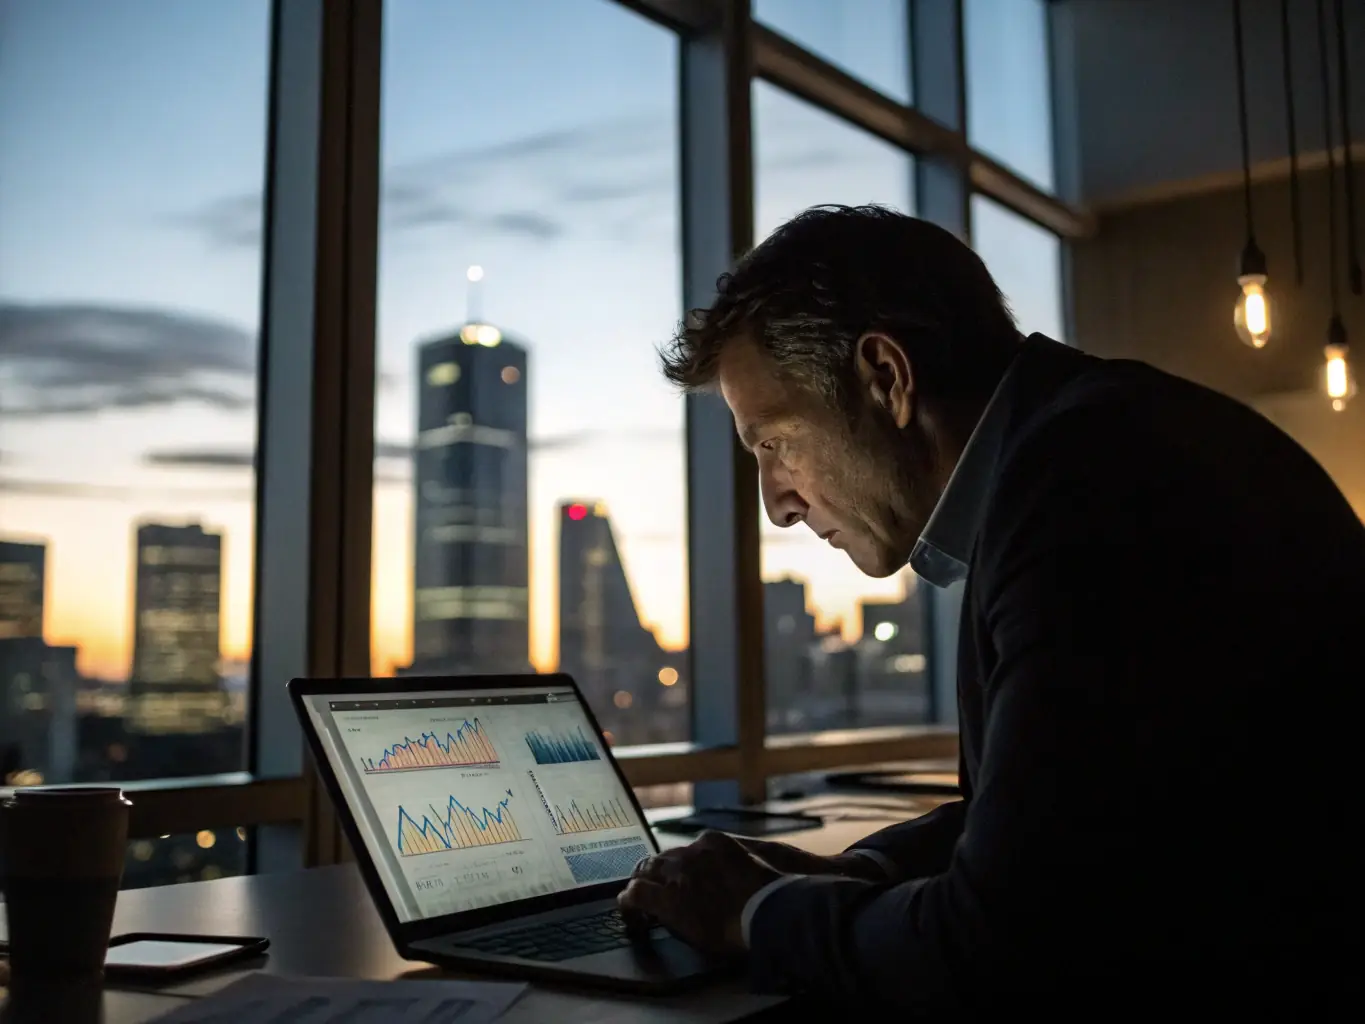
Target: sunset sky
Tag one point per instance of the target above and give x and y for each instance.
(536, 139)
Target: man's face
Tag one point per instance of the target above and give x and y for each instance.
(865, 481)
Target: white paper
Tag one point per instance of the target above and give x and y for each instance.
(270, 999)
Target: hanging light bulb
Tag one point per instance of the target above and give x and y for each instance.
(1337, 379)
(1251, 317)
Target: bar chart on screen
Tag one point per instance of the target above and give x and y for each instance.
(573, 816)
(552, 746)
(466, 746)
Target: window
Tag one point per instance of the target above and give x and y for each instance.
(1025, 261)
(132, 151)
(870, 39)
(1009, 91)
(529, 481)
(841, 649)
(191, 857)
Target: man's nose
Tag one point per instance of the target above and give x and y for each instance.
(783, 504)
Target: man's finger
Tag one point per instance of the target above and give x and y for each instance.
(652, 899)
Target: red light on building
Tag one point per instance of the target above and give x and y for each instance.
(578, 511)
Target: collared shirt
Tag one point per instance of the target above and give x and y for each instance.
(940, 556)
(944, 548)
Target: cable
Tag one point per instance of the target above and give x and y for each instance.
(1242, 111)
(1295, 204)
(1344, 109)
(1324, 61)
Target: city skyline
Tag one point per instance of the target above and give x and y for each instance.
(129, 297)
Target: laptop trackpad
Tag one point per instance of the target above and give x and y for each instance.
(666, 957)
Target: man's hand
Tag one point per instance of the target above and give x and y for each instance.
(698, 891)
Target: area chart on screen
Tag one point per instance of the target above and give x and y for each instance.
(465, 747)
(456, 827)
(553, 747)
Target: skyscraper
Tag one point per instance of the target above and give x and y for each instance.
(22, 573)
(471, 560)
(616, 661)
(29, 678)
(788, 633)
(175, 685)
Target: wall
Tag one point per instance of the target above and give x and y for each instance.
(1146, 89)
(1158, 283)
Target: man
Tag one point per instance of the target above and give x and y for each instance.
(1160, 656)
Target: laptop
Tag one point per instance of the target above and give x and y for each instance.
(492, 825)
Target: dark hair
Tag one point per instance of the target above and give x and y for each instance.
(832, 273)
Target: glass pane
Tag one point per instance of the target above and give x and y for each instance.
(529, 497)
(1026, 262)
(842, 649)
(804, 156)
(869, 39)
(189, 857)
(1009, 93)
(132, 152)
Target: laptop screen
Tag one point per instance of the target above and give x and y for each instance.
(473, 798)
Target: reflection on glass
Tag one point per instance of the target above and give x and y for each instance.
(529, 485)
(842, 649)
(132, 146)
(1009, 93)
(1025, 261)
(186, 857)
(870, 39)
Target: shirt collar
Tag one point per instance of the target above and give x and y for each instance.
(944, 549)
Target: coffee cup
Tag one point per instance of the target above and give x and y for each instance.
(61, 862)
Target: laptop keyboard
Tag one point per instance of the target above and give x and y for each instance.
(557, 940)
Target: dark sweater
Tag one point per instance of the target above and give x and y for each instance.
(1161, 656)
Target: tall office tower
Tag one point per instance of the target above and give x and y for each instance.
(470, 564)
(788, 634)
(175, 685)
(891, 681)
(22, 573)
(602, 643)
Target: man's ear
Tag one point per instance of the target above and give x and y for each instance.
(885, 374)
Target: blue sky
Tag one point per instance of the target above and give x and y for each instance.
(536, 138)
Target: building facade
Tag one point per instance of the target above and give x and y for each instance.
(471, 558)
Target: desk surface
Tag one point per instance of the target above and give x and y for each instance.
(322, 922)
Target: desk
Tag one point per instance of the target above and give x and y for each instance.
(322, 922)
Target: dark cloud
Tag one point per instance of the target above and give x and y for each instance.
(398, 454)
(201, 459)
(507, 189)
(225, 458)
(229, 223)
(81, 491)
(63, 359)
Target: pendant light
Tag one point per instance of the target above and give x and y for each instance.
(1337, 380)
(1251, 316)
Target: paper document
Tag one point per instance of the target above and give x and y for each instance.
(269, 999)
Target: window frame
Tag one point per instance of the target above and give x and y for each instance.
(315, 482)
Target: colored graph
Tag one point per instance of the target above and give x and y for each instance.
(466, 747)
(590, 817)
(605, 865)
(457, 828)
(561, 747)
